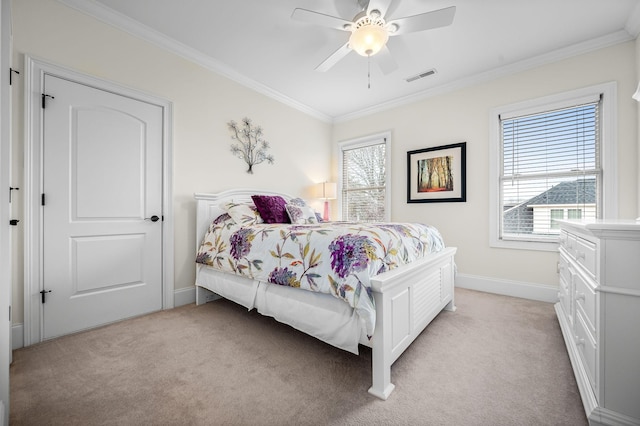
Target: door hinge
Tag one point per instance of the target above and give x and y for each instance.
(44, 97)
(42, 199)
(11, 71)
(11, 189)
(43, 293)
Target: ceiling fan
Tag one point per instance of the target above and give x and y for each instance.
(370, 30)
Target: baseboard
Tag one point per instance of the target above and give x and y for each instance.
(540, 292)
(17, 336)
(184, 296)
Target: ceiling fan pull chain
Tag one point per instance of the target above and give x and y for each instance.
(368, 71)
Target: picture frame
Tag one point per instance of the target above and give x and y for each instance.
(437, 174)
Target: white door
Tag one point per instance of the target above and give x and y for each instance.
(102, 207)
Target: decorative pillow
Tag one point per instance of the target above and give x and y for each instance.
(242, 213)
(271, 208)
(302, 203)
(301, 215)
(298, 202)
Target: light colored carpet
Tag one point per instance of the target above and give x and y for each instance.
(495, 361)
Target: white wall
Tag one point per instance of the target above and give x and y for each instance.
(203, 102)
(463, 115)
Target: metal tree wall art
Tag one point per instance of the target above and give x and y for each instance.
(250, 146)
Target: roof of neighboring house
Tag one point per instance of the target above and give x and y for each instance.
(519, 218)
(580, 191)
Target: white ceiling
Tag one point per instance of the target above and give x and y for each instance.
(257, 43)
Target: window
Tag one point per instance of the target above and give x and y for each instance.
(365, 179)
(555, 215)
(574, 214)
(547, 164)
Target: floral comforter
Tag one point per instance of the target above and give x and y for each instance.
(337, 258)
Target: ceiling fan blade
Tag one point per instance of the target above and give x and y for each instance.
(334, 58)
(380, 5)
(385, 61)
(424, 21)
(321, 19)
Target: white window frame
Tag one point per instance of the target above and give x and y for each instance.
(608, 150)
(364, 141)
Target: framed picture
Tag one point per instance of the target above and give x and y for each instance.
(437, 175)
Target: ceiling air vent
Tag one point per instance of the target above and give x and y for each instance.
(421, 75)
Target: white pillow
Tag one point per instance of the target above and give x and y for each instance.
(301, 214)
(242, 213)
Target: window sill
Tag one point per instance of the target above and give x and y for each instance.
(551, 246)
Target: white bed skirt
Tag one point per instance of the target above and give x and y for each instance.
(320, 315)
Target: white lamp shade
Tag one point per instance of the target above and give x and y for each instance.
(367, 40)
(329, 190)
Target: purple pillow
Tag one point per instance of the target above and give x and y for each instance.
(271, 208)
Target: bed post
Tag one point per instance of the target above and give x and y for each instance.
(381, 350)
(406, 302)
(204, 295)
(448, 285)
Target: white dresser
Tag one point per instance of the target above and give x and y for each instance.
(599, 314)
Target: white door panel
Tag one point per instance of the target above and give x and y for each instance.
(102, 176)
(121, 147)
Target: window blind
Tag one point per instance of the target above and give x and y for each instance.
(364, 182)
(551, 170)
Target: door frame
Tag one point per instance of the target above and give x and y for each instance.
(5, 211)
(36, 70)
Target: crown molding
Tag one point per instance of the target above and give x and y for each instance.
(493, 74)
(139, 30)
(633, 23)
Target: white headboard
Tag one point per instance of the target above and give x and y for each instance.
(208, 207)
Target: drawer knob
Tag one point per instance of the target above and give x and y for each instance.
(579, 341)
(580, 296)
(581, 255)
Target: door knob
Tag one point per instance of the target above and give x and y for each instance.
(153, 218)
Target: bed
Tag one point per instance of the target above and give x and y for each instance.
(405, 298)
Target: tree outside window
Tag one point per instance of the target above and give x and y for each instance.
(364, 181)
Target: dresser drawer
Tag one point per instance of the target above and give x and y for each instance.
(568, 242)
(585, 297)
(585, 254)
(587, 348)
(563, 239)
(564, 297)
(563, 268)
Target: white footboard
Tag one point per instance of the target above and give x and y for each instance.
(406, 302)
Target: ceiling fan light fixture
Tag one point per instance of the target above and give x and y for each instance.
(369, 37)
